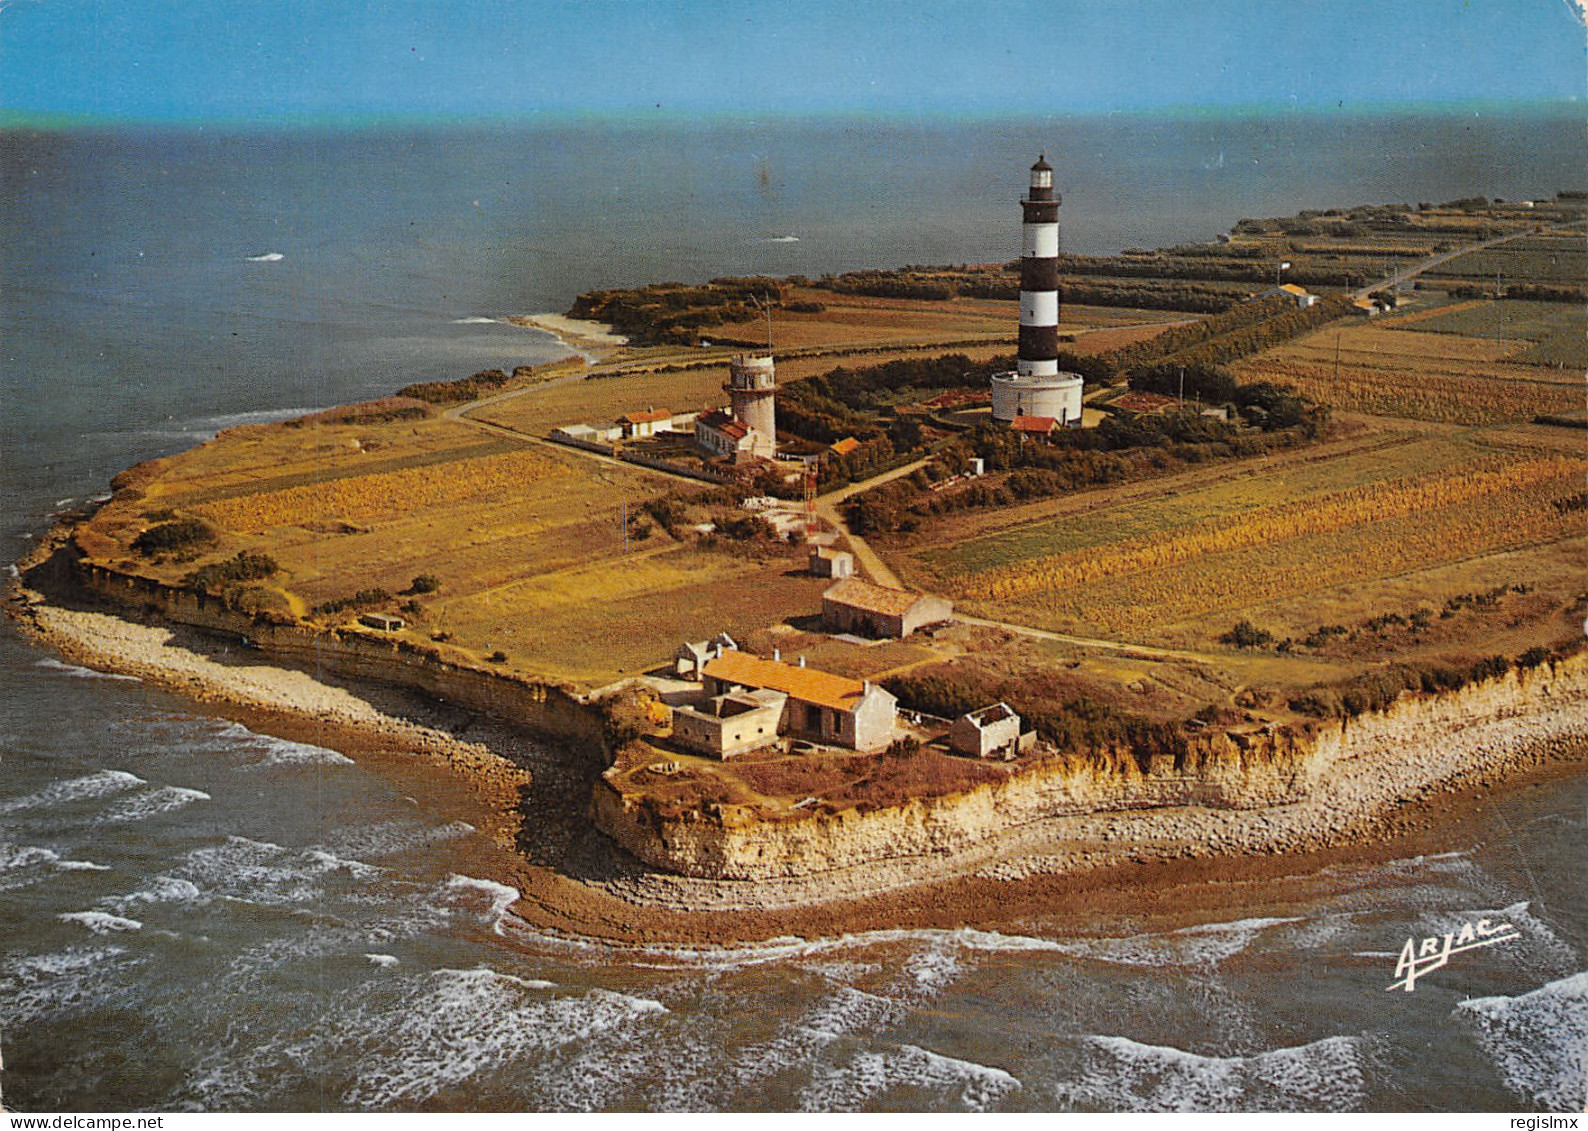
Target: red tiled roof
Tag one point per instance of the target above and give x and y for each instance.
(650, 417)
(806, 684)
(720, 421)
(1033, 424)
(845, 446)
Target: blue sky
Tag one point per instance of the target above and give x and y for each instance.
(303, 60)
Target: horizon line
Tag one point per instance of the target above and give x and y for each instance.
(352, 120)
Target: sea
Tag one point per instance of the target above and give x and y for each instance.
(199, 916)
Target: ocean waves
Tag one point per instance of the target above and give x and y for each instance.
(153, 803)
(1538, 1041)
(36, 987)
(268, 750)
(427, 1035)
(1112, 1073)
(909, 1076)
(76, 672)
(89, 787)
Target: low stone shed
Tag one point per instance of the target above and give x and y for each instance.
(857, 606)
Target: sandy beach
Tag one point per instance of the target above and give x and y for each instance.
(592, 339)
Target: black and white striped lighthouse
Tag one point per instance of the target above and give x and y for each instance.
(1036, 388)
(1039, 276)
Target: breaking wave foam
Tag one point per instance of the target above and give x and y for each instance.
(947, 1082)
(100, 784)
(162, 889)
(441, 1030)
(1120, 1074)
(36, 987)
(1538, 1041)
(14, 857)
(392, 837)
(256, 871)
(275, 751)
(77, 672)
(100, 922)
(145, 805)
(500, 896)
(1202, 946)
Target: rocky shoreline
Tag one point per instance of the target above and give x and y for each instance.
(1368, 777)
(1375, 778)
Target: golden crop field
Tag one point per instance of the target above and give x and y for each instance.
(1385, 369)
(1416, 395)
(1357, 506)
(371, 498)
(260, 457)
(1205, 587)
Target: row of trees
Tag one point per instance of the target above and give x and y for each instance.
(675, 313)
(481, 384)
(1143, 294)
(1526, 292)
(1121, 447)
(1240, 332)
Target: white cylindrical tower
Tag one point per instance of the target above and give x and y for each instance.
(1058, 397)
(752, 394)
(1039, 276)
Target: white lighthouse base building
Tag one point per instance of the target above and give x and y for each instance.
(1027, 394)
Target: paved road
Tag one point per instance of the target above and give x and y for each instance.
(1396, 278)
(827, 508)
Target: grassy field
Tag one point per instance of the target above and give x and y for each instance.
(1177, 562)
(1546, 258)
(592, 620)
(1184, 507)
(1428, 367)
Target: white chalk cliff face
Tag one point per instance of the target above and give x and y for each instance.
(1278, 790)
(1264, 792)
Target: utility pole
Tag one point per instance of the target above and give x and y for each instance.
(625, 528)
(1181, 397)
(763, 303)
(1499, 311)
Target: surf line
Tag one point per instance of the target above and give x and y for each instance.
(1418, 961)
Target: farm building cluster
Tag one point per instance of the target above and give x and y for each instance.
(733, 703)
(747, 703)
(743, 433)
